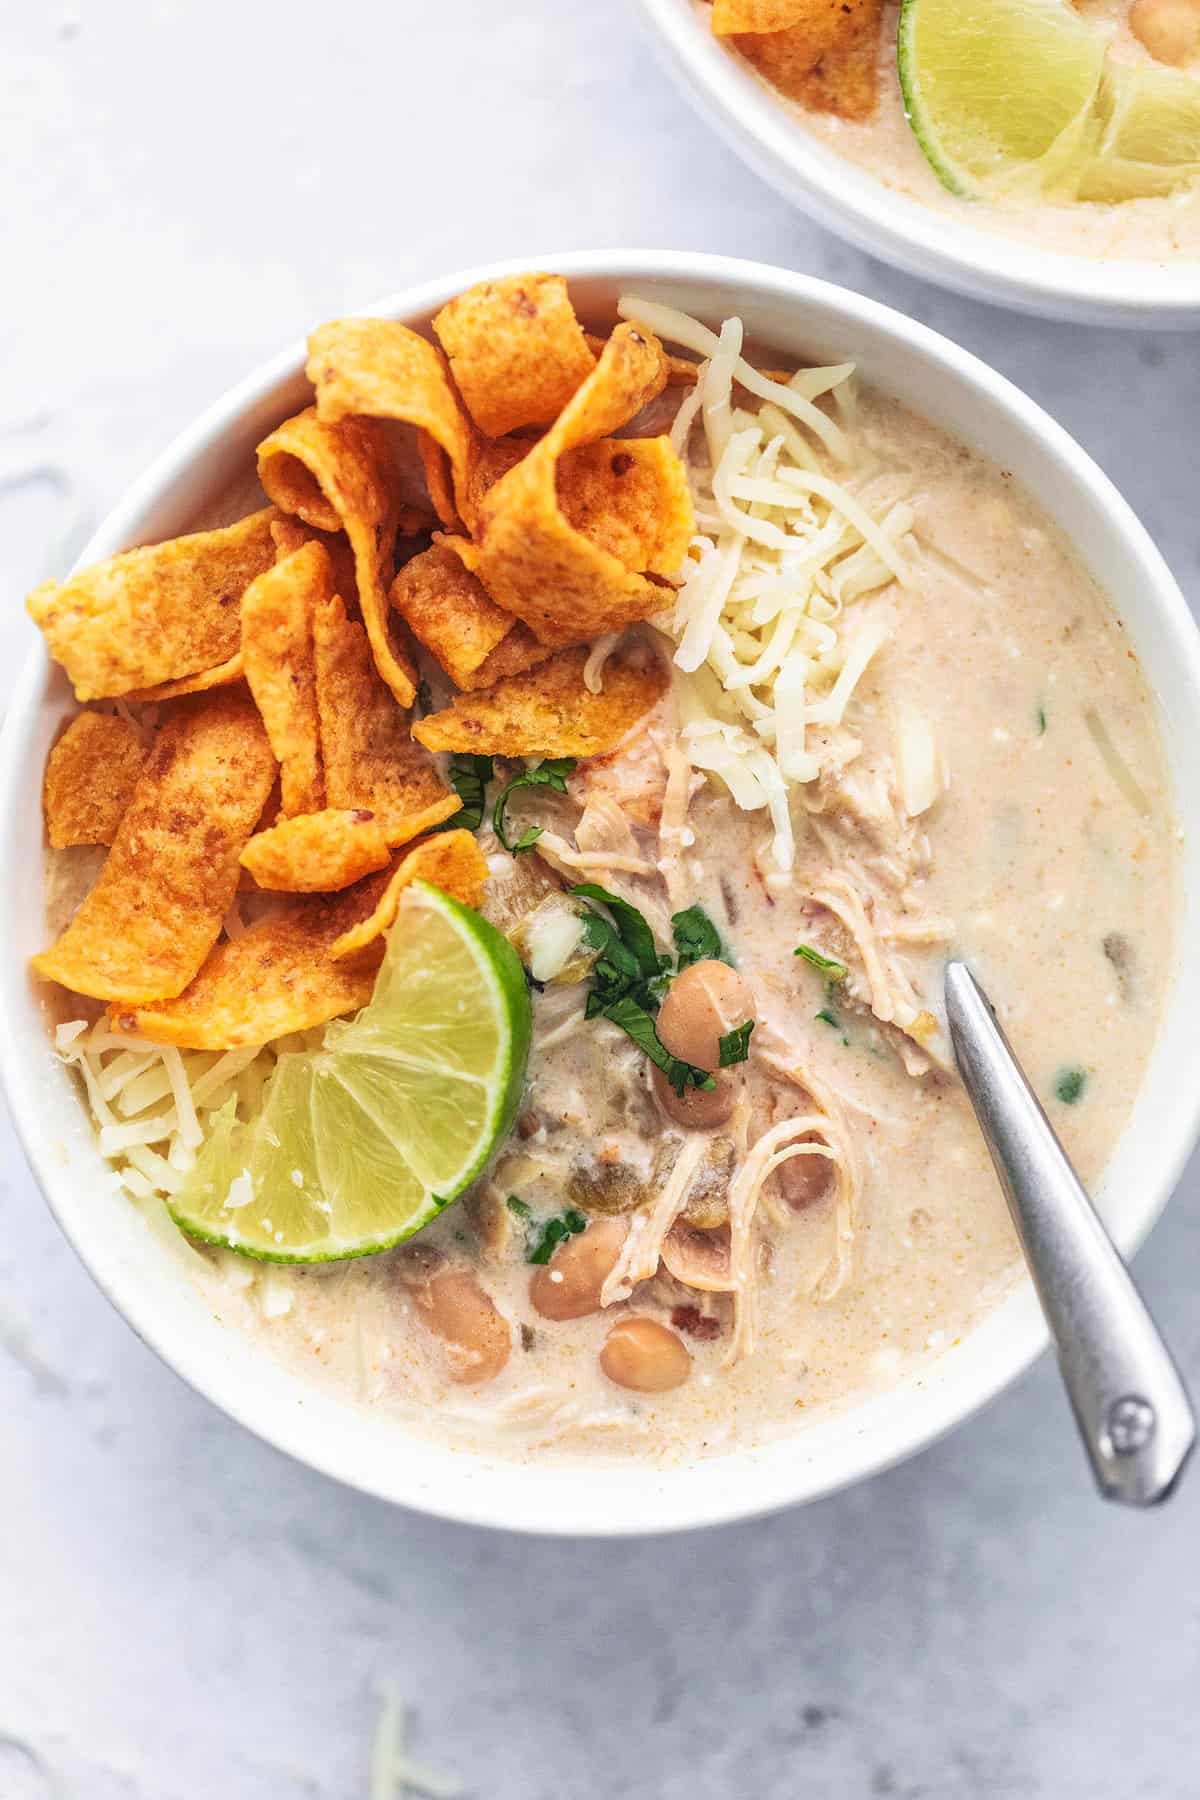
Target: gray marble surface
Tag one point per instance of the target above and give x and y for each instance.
(185, 1614)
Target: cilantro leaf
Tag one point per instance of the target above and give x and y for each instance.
(828, 1018)
(638, 1024)
(616, 970)
(552, 774)
(1069, 1085)
(469, 777)
(631, 929)
(734, 1046)
(518, 1206)
(554, 1232)
(696, 938)
(827, 965)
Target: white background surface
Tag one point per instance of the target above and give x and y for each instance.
(183, 1614)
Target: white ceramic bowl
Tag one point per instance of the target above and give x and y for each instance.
(845, 199)
(800, 318)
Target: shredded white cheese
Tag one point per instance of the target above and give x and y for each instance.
(770, 636)
(152, 1145)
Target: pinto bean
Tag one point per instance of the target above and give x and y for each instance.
(458, 1310)
(699, 1109)
(804, 1179)
(646, 1356)
(702, 1004)
(568, 1286)
(1168, 29)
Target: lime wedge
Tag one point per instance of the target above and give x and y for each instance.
(1150, 141)
(991, 86)
(361, 1143)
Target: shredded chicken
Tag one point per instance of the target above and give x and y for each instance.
(674, 834)
(648, 1231)
(792, 1137)
(849, 1175)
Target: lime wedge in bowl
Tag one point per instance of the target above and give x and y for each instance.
(991, 86)
(361, 1143)
(1150, 141)
(1020, 99)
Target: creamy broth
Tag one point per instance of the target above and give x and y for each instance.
(885, 148)
(1051, 874)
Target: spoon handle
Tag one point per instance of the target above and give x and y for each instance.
(1130, 1405)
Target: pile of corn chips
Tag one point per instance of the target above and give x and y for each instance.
(822, 53)
(272, 666)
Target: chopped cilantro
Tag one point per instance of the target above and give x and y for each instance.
(696, 938)
(552, 774)
(1069, 1085)
(734, 1046)
(627, 980)
(827, 965)
(469, 777)
(553, 1233)
(1040, 717)
(516, 1205)
(632, 930)
(638, 1024)
(829, 1018)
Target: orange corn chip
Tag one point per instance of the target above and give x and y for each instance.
(489, 459)
(91, 774)
(532, 560)
(341, 475)
(729, 16)
(516, 350)
(517, 650)
(153, 615)
(377, 368)
(630, 496)
(278, 976)
(277, 643)
(451, 861)
(317, 853)
(168, 880)
(520, 650)
(446, 609)
(290, 533)
(224, 675)
(547, 711)
(371, 762)
(828, 61)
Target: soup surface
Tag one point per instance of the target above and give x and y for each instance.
(1050, 874)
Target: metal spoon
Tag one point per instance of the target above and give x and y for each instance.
(1131, 1407)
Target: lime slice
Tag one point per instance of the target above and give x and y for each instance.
(1150, 142)
(991, 87)
(361, 1143)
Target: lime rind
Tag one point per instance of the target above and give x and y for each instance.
(364, 1142)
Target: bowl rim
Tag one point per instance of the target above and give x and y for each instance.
(528, 1497)
(846, 200)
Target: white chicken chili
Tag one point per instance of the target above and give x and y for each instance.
(896, 720)
(902, 722)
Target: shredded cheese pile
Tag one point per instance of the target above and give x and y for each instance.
(768, 639)
(153, 1104)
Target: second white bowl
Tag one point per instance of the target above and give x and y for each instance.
(842, 197)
